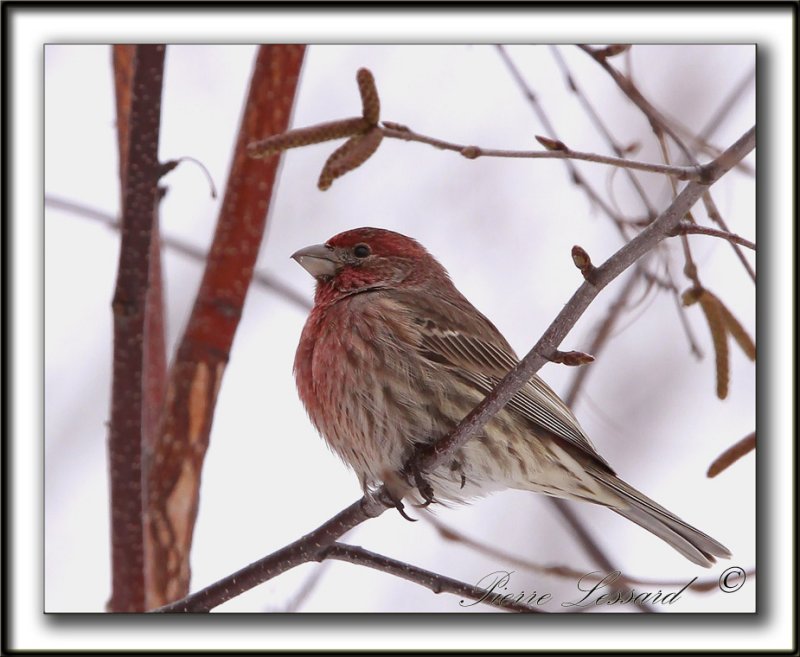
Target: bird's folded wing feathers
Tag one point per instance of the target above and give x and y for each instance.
(472, 347)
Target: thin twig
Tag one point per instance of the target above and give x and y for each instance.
(600, 124)
(565, 153)
(689, 228)
(618, 220)
(727, 104)
(660, 123)
(626, 85)
(716, 217)
(430, 580)
(573, 171)
(601, 335)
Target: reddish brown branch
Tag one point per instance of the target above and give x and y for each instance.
(155, 360)
(140, 173)
(196, 373)
(155, 351)
(123, 57)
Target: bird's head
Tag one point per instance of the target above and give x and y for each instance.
(368, 259)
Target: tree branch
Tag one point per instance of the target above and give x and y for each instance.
(601, 126)
(140, 172)
(661, 125)
(173, 483)
(430, 580)
(563, 152)
(689, 228)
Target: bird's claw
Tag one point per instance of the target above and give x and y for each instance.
(423, 485)
(390, 500)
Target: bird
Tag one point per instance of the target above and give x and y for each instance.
(392, 357)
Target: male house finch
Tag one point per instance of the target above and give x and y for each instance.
(393, 356)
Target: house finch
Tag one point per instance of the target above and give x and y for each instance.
(393, 357)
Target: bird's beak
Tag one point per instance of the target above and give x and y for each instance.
(318, 260)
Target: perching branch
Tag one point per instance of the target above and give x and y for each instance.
(576, 306)
(311, 546)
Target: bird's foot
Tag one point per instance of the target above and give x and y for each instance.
(423, 485)
(389, 499)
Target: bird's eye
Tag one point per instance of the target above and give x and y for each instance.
(361, 251)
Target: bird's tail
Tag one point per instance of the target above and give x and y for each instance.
(689, 541)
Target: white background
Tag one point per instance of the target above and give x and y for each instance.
(503, 229)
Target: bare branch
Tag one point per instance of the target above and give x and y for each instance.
(598, 121)
(430, 580)
(716, 217)
(561, 153)
(173, 482)
(690, 228)
(139, 174)
(660, 125)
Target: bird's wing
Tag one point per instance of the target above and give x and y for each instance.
(460, 338)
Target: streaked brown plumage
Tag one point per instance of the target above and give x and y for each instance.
(392, 355)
